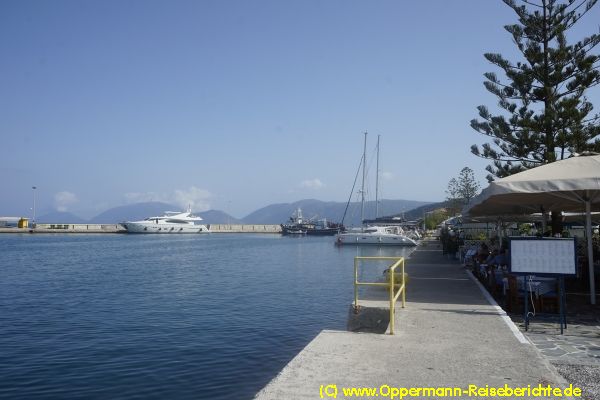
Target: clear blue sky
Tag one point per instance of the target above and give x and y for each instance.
(234, 105)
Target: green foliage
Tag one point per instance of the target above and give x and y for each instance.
(462, 189)
(453, 197)
(525, 228)
(468, 187)
(434, 218)
(545, 114)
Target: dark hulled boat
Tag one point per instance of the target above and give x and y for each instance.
(297, 225)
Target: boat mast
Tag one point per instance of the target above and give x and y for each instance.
(362, 190)
(352, 191)
(377, 182)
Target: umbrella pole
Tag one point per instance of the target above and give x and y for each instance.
(590, 251)
(543, 224)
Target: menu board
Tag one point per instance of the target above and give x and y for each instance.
(536, 256)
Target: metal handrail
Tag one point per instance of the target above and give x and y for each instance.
(391, 284)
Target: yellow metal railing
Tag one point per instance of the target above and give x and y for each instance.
(390, 284)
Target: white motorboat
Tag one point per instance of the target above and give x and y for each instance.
(392, 235)
(171, 222)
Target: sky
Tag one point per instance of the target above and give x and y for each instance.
(234, 105)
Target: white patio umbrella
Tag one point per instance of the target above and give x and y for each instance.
(571, 185)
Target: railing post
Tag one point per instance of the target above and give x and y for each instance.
(392, 283)
(403, 285)
(355, 283)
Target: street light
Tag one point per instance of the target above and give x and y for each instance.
(228, 211)
(33, 220)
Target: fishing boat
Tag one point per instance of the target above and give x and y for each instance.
(375, 234)
(293, 231)
(297, 225)
(170, 222)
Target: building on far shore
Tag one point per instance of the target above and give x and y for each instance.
(14, 222)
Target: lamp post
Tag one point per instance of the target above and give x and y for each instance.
(228, 211)
(33, 220)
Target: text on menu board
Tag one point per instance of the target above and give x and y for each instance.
(543, 256)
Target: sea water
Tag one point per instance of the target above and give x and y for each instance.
(165, 316)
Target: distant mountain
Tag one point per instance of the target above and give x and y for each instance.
(59, 217)
(133, 212)
(138, 211)
(420, 211)
(272, 214)
(333, 211)
(218, 217)
(280, 213)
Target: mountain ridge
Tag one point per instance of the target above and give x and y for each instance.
(140, 211)
(334, 211)
(277, 213)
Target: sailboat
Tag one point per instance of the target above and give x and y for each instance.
(373, 235)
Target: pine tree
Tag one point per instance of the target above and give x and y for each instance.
(453, 196)
(546, 115)
(461, 190)
(467, 185)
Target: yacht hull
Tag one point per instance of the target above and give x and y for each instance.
(308, 230)
(375, 240)
(138, 227)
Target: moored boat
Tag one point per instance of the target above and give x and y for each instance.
(392, 235)
(376, 235)
(293, 231)
(171, 222)
(297, 225)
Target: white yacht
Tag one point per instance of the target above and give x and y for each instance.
(377, 235)
(171, 222)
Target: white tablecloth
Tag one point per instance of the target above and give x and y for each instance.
(538, 285)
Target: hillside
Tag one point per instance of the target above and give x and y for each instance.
(138, 211)
(59, 217)
(420, 211)
(280, 213)
(271, 214)
(132, 212)
(218, 217)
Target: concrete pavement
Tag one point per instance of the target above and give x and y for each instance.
(448, 335)
(576, 353)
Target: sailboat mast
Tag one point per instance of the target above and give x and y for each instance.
(362, 190)
(377, 182)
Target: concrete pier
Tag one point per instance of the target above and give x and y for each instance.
(240, 228)
(449, 335)
(118, 228)
(68, 228)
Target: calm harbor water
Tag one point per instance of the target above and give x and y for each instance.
(153, 316)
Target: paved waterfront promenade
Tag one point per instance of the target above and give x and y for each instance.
(447, 336)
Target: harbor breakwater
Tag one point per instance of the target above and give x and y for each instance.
(118, 228)
(242, 228)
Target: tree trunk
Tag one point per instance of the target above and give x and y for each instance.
(557, 223)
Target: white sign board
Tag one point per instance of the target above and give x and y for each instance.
(542, 256)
